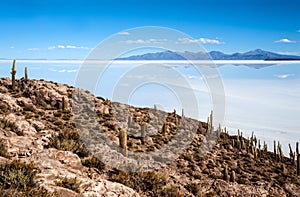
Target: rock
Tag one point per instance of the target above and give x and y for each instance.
(10, 103)
(37, 125)
(22, 126)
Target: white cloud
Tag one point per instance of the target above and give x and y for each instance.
(33, 49)
(200, 40)
(123, 33)
(67, 47)
(64, 71)
(72, 71)
(288, 53)
(148, 41)
(284, 76)
(12, 47)
(298, 31)
(285, 40)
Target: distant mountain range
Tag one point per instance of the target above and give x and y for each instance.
(257, 54)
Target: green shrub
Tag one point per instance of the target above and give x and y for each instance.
(69, 183)
(17, 175)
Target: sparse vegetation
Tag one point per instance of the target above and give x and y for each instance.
(29, 192)
(17, 175)
(69, 183)
(93, 162)
(3, 149)
(142, 181)
(69, 141)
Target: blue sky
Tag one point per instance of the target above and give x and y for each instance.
(67, 29)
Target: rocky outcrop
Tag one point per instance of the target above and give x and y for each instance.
(46, 123)
(28, 121)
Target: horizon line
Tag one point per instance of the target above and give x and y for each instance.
(155, 61)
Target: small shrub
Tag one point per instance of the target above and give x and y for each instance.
(69, 141)
(93, 162)
(3, 149)
(194, 188)
(17, 175)
(142, 181)
(69, 183)
(170, 190)
(29, 192)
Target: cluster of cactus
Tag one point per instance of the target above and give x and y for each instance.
(278, 153)
(294, 155)
(226, 176)
(240, 143)
(13, 75)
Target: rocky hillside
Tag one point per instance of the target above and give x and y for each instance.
(45, 150)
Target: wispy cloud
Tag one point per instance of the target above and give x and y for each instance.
(288, 53)
(298, 31)
(33, 49)
(200, 40)
(12, 47)
(148, 41)
(67, 47)
(285, 40)
(123, 33)
(68, 71)
(284, 76)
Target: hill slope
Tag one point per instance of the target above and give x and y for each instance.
(38, 125)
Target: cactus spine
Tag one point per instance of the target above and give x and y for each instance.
(13, 75)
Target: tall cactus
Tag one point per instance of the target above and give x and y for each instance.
(211, 121)
(13, 75)
(292, 155)
(164, 128)
(143, 132)
(232, 176)
(275, 155)
(123, 141)
(26, 74)
(129, 121)
(298, 164)
(225, 173)
(63, 103)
